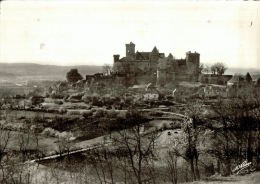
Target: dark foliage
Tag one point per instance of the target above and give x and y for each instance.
(73, 76)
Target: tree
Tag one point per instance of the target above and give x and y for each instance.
(191, 151)
(4, 140)
(213, 69)
(245, 117)
(107, 69)
(102, 161)
(73, 76)
(235, 138)
(201, 68)
(171, 161)
(248, 77)
(223, 137)
(64, 144)
(138, 148)
(258, 82)
(218, 68)
(37, 100)
(206, 69)
(191, 130)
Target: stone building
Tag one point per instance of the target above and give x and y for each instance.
(155, 67)
(215, 79)
(240, 86)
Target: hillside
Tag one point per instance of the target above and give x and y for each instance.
(31, 71)
(243, 71)
(253, 178)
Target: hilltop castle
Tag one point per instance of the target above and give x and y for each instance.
(154, 66)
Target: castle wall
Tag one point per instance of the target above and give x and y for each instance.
(183, 77)
(141, 65)
(169, 69)
(165, 76)
(131, 66)
(118, 67)
(163, 64)
(145, 79)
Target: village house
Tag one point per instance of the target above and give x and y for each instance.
(240, 85)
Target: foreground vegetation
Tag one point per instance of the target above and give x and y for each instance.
(172, 139)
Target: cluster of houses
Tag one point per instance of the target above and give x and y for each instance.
(237, 86)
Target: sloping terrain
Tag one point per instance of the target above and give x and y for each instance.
(253, 178)
(25, 71)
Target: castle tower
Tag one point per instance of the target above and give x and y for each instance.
(170, 57)
(193, 58)
(155, 50)
(154, 56)
(193, 63)
(130, 50)
(116, 57)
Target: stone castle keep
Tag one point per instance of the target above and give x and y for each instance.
(154, 66)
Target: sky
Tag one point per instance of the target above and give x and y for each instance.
(90, 32)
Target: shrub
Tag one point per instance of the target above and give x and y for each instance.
(36, 100)
(165, 126)
(121, 114)
(111, 113)
(175, 125)
(99, 113)
(54, 133)
(87, 114)
(57, 96)
(49, 132)
(62, 110)
(74, 112)
(73, 76)
(58, 102)
(66, 135)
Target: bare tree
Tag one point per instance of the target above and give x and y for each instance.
(213, 69)
(16, 172)
(206, 69)
(171, 160)
(102, 161)
(201, 68)
(191, 152)
(107, 69)
(139, 149)
(191, 130)
(64, 145)
(4, 140)
(223, 139)
(56, 173)
(238, 121)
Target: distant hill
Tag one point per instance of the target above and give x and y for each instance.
(31, 71)
(243, 71)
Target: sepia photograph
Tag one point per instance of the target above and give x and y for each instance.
(129, 92)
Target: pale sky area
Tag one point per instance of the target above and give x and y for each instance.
(90, 32)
